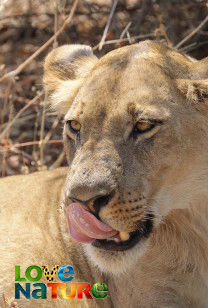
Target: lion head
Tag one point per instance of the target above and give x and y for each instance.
(135, 135)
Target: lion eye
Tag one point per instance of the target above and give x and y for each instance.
(73, 126)
(144, 126)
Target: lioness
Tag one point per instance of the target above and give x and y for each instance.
(133, 211)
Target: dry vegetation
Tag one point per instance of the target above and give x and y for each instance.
(30, 133)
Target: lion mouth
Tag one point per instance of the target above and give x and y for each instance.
(84, 227)
(134, 237)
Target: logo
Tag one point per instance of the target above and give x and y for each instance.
(28, 287)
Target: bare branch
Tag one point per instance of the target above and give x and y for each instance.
(125, 30)
(192, 33)
(129, 37)
(53, 127)
(19, 114)
(42, 128)
(59, 161)
(55, 43)
(30, 143)
(22, 66)
(133, 38)
(108, 24)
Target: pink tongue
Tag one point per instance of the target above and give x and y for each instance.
(84, 227)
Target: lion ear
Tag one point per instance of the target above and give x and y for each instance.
(195, 91)
(65, 69)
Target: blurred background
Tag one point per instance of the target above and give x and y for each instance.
(31, 133)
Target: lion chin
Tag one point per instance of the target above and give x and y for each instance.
(115, 262)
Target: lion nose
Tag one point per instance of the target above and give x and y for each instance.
(85, 193)
(96, 202)
(87, 188)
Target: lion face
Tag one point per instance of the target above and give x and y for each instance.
(131, 139)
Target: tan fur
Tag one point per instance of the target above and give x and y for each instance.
(163, 172)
